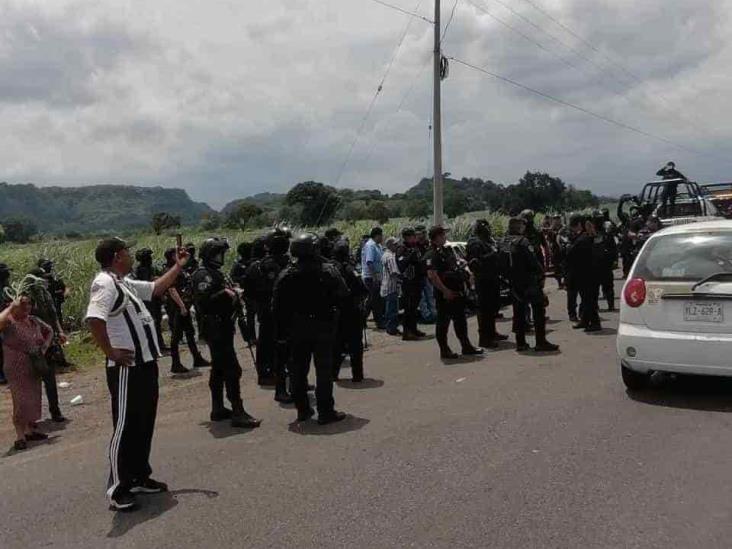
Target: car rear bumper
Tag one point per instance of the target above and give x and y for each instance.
(678, 352)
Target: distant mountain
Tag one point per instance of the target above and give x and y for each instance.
(95, 209)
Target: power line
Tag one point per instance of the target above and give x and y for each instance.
(581, 39)
(588, 112)
(403, 11)
(619, 94)
(370, 109)
(633, 76)
(524, 35)
(449, 22)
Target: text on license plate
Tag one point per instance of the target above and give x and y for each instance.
(703, 311)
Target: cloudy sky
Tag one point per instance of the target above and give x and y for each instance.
(229, 98)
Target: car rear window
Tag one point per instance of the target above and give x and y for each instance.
(685, 257)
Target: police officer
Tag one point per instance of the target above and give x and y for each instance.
(4, 302)
(56, 286)
(580, 276)
(483, 260)
(179, 300)
(526, 277)
(447, 278)
(576, 260)
(238, 276)
(305, 304)
(349, 336)
(147, 271)
(217, 301)
(263, 359)
(607, 256)
(263, 281)
(411, 265)
(595, 273)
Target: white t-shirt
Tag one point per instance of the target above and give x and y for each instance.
(130, 326)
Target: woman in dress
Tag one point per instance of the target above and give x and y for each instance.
(24, 335)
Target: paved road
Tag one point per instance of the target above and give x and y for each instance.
(510, 451)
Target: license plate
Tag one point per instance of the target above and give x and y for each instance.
(703, 311)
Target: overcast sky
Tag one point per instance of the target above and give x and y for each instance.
(229, 98)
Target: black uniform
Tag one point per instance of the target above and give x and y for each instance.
(411, 265)
(216, 301)
(305, 303)
(182, 325)
(526, 275)
(263, 277)
(147, 271)
(574, 271)
(238, 276)
(483, 260)
(444, 263)
(349, 335)
(608, 255)
(583, 277)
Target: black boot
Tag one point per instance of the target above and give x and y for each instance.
(218, 411)
(521, 344)
(240, 419)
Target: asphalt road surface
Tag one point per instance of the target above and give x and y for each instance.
(513, 450)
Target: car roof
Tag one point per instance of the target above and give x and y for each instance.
(701, 226)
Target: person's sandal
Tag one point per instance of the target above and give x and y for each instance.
(20, 445)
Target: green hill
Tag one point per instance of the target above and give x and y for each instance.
(95, 209)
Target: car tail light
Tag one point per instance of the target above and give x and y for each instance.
(635, 292)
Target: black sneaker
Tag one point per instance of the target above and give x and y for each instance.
(122, 501)
(149, 486)
(448, 354)
(58, 417)
(332, 417)
(522, 347)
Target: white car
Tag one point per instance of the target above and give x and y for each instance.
(676, 308)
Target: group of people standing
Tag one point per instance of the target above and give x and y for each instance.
(301, 300)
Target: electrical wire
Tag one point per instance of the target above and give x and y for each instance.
(449, 21)
(403, 11)
(619, 94)
(588, 112)
(375, 97)
(637, 79)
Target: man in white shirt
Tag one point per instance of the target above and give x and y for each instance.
(124, 329)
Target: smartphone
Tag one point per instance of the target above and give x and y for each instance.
(179, 241)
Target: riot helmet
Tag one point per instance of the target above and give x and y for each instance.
(277, 241)
(481, 228)
(144, 256)
(213, 251)
(304, 246)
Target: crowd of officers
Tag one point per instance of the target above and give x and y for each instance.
(297, 299)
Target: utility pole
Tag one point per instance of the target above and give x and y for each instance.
(437, 121)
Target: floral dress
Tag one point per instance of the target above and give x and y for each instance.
(20, 339)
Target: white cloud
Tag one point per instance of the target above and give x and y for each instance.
(232, 98)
